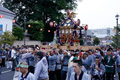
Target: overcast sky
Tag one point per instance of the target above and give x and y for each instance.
(98, 13)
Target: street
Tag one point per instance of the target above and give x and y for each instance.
(7, 74)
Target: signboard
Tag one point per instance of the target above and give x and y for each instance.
(1, 29)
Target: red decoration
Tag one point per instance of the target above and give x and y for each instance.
(68, 11)
(1, 16)
(78, 22)
(86, 27)
(51, 24)
(68, 40)
(78, 41)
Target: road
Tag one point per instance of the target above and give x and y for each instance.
(7, 74)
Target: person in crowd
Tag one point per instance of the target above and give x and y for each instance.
(13, 56)
(17, 55)
(52, 64)
(118, 65)
(71, 58)
(85, 62)
(92, 56)
(41, 68)
(97, 54)
(70, 69)
(109, 62)
(58, 63)
(24, 56)
(25, 74)
(0, 68)
(78, 73)
(31, 60)
(8, 57)
(65, 61)
(97, 70)
(3, 55)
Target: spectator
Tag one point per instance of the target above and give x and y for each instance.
(3, 56)
(13, 56)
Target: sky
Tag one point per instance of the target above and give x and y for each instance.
(98, 14)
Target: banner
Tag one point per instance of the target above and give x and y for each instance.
(1, 29)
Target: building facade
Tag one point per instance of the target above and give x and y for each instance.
(6, 20)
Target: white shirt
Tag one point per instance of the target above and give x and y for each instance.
(29, 76)
(13, 54)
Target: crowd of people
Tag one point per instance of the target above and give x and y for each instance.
(38, 63)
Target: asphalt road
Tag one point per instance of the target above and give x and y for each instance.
(7, 74)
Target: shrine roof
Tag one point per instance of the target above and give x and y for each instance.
(68, 22)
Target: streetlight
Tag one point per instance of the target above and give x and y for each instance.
(117, 16)
(24, 24)
(24, 28)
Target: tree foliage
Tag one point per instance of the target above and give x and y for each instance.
(96, 41)
(7, 38)
(40, 10)
(114, 39)
(35, 30)
(18, 32)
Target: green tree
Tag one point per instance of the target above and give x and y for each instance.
(39, 9)
(18, 32)
(36, 30)
(114, 39)
(96, 41)
(7, 38)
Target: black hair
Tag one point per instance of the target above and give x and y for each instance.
(40, 54)
(82, 50)
(110, 49)
(97, 58)
(79, 62)
(77, 50)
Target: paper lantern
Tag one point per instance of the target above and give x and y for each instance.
(29, 25)
(1, 16)
(48, 30)
(68, 11)
(41, 29)
(51, 24)
(86, 27)
(13, 21)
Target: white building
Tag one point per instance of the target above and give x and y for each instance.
(6, 22)
(102, 33)
(105, 35)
